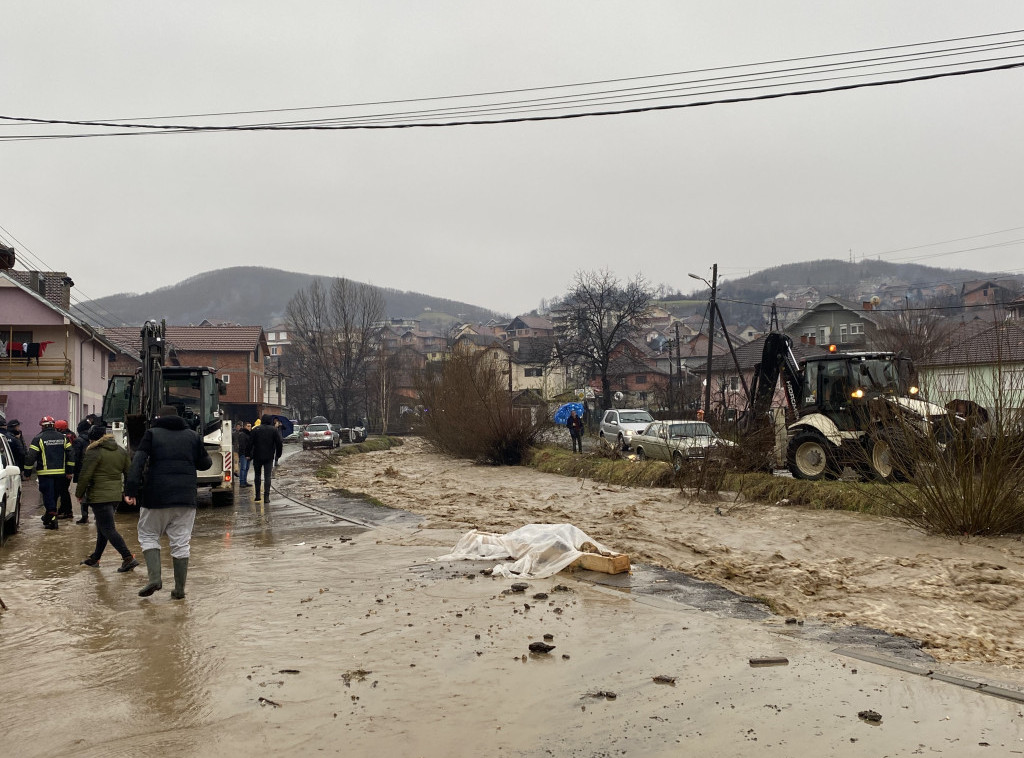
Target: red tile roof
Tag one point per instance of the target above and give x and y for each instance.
(193, 338)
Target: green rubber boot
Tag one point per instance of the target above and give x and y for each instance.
(152, 557)
(180, 572)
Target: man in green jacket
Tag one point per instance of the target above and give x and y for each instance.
(101, 483)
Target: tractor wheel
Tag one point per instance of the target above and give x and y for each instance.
(887, 461)
(812, 457)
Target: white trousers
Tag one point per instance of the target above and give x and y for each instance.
(176, 523)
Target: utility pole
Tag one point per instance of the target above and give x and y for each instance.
(711, 342)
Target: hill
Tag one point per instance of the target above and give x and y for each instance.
(248, 295)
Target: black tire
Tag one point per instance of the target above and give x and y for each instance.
(15, 524)
(221, 498)
(3, 521)
(622, 443)
(678, 462)
(640, 454)
(886, 461)
(812, 457)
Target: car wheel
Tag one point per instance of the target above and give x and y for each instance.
(640, 454)
(305, 446)
(15, 526)
(677, 462)
(3, 521)
(622, 443)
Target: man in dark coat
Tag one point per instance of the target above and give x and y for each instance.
(267, 446)
(17, 440)
(168, 504)
(50, 455)
(243, 445)
(78, 447)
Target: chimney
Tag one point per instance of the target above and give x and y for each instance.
(6, 257)
(803, 339)
(812, 340)
(868, 305)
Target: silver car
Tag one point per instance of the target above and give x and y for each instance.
(621, 424)
(677, 441)
(320, 435)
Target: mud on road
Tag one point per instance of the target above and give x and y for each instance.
(330, 629)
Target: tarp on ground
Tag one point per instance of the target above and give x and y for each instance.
(537, 551)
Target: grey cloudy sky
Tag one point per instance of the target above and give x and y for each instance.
(498, 216)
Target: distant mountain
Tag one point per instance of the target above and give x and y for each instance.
(248, 295)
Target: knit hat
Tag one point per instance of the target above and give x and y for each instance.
(83, 427)
(96, 432)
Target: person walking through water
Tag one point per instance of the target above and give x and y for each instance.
(265, 447)
(575, 424)
(168, 503)
(101, 483)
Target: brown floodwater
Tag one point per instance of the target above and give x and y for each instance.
(303, 633)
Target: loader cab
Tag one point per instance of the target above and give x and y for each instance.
(195, 392)
(840, 385)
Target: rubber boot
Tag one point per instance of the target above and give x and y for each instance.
(180, 572)
(152, 557)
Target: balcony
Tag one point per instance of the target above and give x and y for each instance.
(47, 371)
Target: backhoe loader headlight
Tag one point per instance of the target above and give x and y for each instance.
(858, 393)
(913, 390)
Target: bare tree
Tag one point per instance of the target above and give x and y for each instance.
(917, 332)
(334, 335)
(594, 316)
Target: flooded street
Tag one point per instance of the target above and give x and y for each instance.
(328, 629)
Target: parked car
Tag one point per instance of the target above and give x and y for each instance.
(677, 441)
(10, 492)
(621, 425)
(320, 435)
(296, 435)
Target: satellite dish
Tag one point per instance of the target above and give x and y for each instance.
(875, 300)
(618, 397)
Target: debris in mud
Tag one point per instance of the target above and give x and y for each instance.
(663, 679)
(268, 701)
(289, 671)
(358, 675)
(548, 637)
(487, 572)
(541, 596)
(606, 694)
(306, 600)
(519, 587)
(541, 647)
(872, 717)
(769, 661)
(560, 588)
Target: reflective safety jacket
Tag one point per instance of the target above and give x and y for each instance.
(50, 454)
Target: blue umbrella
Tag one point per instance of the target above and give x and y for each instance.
(562, 414)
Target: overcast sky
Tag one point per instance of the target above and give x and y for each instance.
(500, 216)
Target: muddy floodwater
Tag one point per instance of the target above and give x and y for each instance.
(320, 625)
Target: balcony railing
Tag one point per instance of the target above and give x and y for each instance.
(46, 371)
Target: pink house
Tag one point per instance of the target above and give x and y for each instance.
(51, 362)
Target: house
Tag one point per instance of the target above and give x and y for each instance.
(530, 326)
(633, 370)
(983, 292)
(236, 353)
(836, 321)
(51, 362)
(984, 363)
(275, 388)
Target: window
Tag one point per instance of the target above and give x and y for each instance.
(641, 379)
(844, 333)
(270, 335)
(273, 350)
(734, 383)
(226, 378)
(282, 336)
(857, 328)
(952, 381)
(533, 372)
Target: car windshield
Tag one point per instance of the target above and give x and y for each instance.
(692, 429)
(635, 417)
(318, 428)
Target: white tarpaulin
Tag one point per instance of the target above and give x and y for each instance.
(538, 550)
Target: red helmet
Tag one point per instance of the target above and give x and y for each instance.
(60, 425)
(46, 421)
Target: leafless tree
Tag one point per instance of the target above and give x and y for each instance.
(334, 335)
(594, 316)
(917, 332)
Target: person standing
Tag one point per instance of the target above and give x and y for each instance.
(65, 508)
(78, 447)
(267, 447)
(101, 482)
(51, 457)
(244, 454)
(17, 440)
(168, 504)
(575, 425)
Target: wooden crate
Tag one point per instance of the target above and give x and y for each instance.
(606, 564)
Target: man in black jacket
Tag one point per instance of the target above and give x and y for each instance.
(266, 448)
(168, 505)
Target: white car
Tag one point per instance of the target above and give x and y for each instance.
(621, 424)
(10, 492)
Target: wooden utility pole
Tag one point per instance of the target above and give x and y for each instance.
(711, 342)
